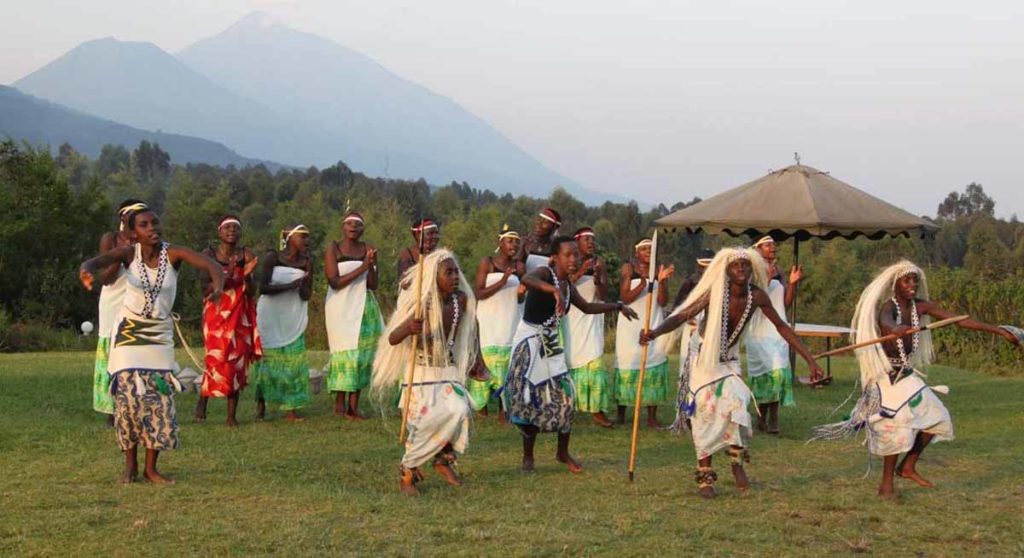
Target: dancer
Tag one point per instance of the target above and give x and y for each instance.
(439, 410)
(142, 356)
(498, 291)
(716, 399)
(430, 232)
(632, 289)
(113, 279)
(901, 412)
(353, 317)
(539, 392)
(584, 345)
(768, 367)
(536, 247)
(282, 376)
(229, 323)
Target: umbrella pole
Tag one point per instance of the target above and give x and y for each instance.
(796, 261)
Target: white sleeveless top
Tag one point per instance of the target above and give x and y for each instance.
(140, 341)
(281, 318)
(498, 315)
(628, 350)
(585, 332)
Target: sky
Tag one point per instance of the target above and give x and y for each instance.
(662, 100)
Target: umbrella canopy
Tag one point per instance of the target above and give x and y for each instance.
(797, 201)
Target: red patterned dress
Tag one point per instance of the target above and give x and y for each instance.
(229, 332)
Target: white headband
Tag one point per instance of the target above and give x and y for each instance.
(585, 233)
(642, 243)
(133, 207)
(547, 217)
(703, 262)
(353, 218)
(298, 229)
(227, 221)
(763, 240)
(422, 228)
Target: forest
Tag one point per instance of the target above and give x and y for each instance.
(55, 207)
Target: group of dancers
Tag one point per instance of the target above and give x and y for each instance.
(528, 333)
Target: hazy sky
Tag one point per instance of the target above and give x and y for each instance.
(665, 99)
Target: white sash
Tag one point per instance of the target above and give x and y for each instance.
(541, 369)
(585, 332)
(895, 396)
(499, 314)
(627, 333)
(344, 310)
(533, 261)
(281, 318)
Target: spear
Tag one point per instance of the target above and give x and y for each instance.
(410, 376)
(651, 275)
(892, 336)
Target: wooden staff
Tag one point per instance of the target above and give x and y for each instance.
(892, 336)
(651, 271)
(410, 376)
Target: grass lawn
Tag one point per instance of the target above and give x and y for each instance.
(329, 487)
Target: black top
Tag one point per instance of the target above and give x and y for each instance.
(538, 306)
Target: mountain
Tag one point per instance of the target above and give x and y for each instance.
(140, 85)
(26, 118)
(382, 123)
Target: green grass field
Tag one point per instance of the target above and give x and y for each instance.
(329, 487)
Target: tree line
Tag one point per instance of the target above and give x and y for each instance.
(53, 210)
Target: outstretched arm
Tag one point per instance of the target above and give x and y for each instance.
(934, 310)
(89, 269)
(764, 303)
(178, 254)
(595, 307)
(675, 320)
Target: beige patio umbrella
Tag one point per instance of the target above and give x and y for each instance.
(797, 202)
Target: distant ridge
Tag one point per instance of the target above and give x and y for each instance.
(39, 122)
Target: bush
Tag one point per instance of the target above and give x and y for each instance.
(27, 337)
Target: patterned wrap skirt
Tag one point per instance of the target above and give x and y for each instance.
(144, 409)
(281, 378)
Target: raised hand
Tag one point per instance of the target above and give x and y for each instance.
(796, 274)
(250, 266)
(85, 276)
(371, 257)
(665, 272)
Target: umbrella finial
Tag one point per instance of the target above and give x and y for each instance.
(796, 157)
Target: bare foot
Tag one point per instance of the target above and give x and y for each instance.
(232, 422)
(913, 475)
(261, 410)
(601, 420)
(742, 482)
(292, 416)
(407, 482)
(761, 425)
(528, 465)
(199, 417)
(447, 473)
(128, 477)
(501, 417)
(886, 491)
(654, 424)
(354, 416)
(571, 463)
(156, 478)
(707, 492)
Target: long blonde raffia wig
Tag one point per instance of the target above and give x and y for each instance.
(392, 361)
(874, 365)
(712, 285)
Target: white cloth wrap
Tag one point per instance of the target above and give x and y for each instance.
(542, 369)
(585, 332)
(111, 302)
(533, 261)
(894, 429)
(499, 314)
(281, 318)
(343, 310)
(439, 414)
(720, 421)
(138, 342)
(766, 349)
(627, 333)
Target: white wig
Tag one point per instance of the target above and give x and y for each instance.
(712, 285)
(392, 361)
(874, 364)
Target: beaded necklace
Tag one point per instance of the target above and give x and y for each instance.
(553, 320)
(723, 351)
(455, 324)
(915, 322)
(151, 292)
